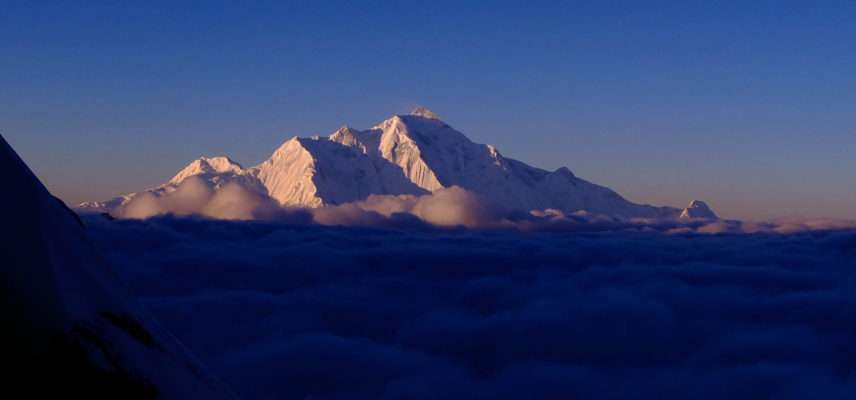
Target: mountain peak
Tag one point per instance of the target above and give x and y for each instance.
(221, 163)
(344, 131)
(349, 137)
(424, 113)
(698, 210)
(207, 165)
(698, 204)
(415, 154)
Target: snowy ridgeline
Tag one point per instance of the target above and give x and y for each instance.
(405, 155)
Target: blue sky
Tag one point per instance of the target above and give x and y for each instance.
(747, 106)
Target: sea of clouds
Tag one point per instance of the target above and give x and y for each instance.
(449, 207)
(395, 307)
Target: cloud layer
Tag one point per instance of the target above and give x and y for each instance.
(194, 196)
(284, 310)
(445, 208)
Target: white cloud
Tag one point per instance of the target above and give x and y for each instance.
(447, 207)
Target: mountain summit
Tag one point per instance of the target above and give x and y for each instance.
(424, 112)
(404, 154)
(698, 210)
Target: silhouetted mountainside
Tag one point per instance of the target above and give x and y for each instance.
(70, 326)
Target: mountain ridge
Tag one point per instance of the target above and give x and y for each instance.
(410, 154)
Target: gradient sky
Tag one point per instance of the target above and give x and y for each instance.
(751, 107)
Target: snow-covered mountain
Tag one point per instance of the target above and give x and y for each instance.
(70, 326)
(698, 210)
(405, 154)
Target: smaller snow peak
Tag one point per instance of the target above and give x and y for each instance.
(698, 210)
(343, 133)
(393, 125)
(291, 142)
(221, 163)
(698, 204)
(424, 113)
(207, 165)
(287, 147)
(348, 136)
(345, 130)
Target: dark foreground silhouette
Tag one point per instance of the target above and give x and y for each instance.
(70, 327)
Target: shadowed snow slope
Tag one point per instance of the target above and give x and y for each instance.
(69, 325)
(403, 155)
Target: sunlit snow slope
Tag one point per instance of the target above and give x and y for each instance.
(405, 154)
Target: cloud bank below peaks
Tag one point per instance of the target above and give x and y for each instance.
(444, 208)
(195, 196)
